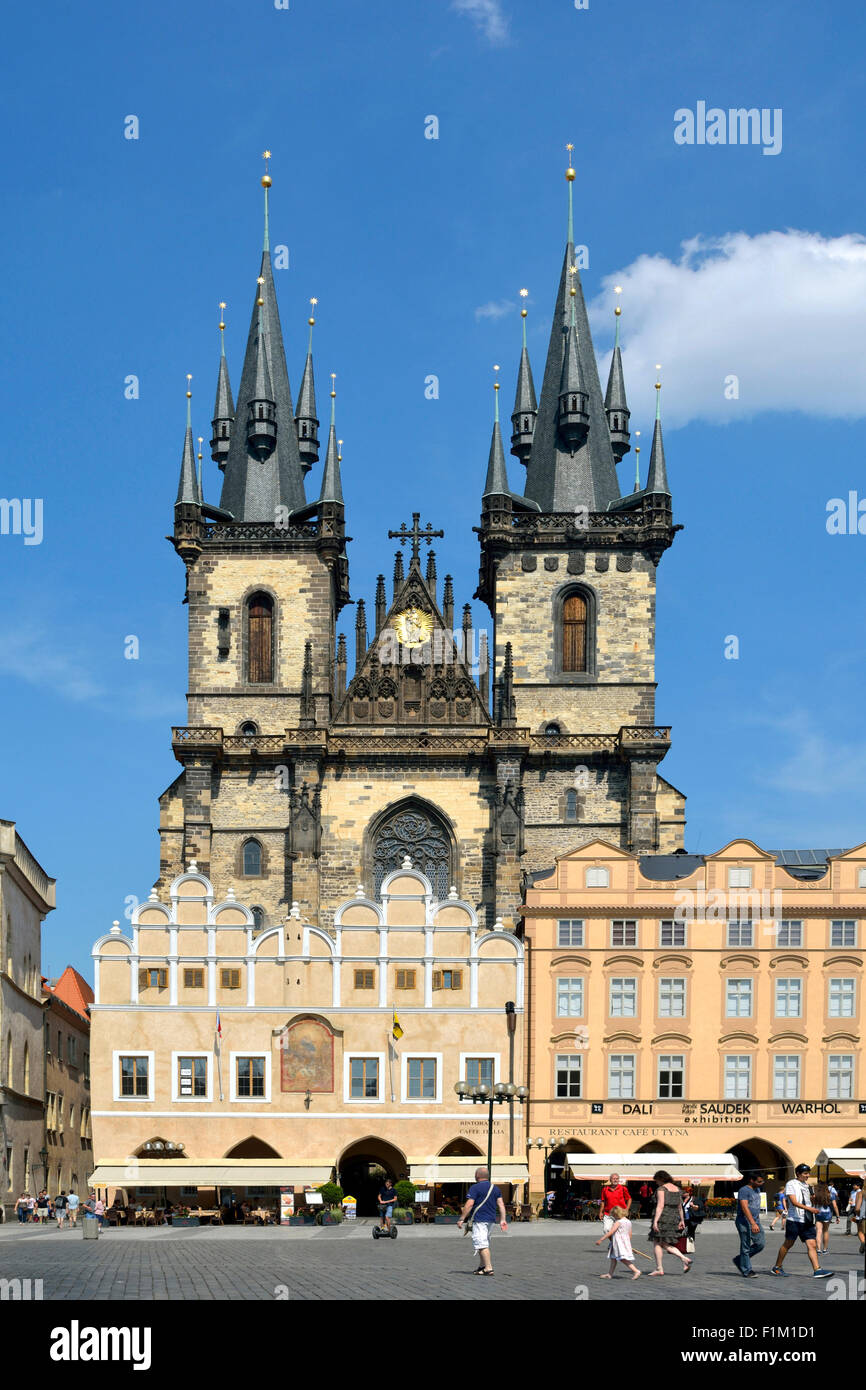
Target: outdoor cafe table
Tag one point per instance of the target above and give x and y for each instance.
(206, 1213)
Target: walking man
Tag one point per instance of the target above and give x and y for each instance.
(484, 1201)
(748, 1223)
(800, 1223)
(60, 1204)
(72, 1204)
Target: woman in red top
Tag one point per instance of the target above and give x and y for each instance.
(613, 1194)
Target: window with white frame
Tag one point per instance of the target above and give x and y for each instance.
(672, 997)
(672, 933)
(740, 932)
(789, 997)
(789, 933)
(786, 1076)
(479, 1071)
(738, 1076)
(569, 932)
(598, 878)
(623, 932)
(421, 1078)
(623, 997)
(569, 997)
(841, 998)
(671, 1076)
(133, 1074)
(192, 1077)
(738, 998)
(861, 878)
(364, 1078)
(739, 878)
(569, 1075)
(840, 1076)
(843, 933)
(621, 1075)
(250, 1076)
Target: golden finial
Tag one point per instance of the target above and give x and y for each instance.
(266, 178)
(222, 324)
(339, 451)
(572, 270)
(569, 173)
(311, 320)
(188, 380)
(523, 295)
(260, 281)
(658, 380)
(333, 387)
(617, 289)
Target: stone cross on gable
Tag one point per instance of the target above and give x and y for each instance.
(415, 534)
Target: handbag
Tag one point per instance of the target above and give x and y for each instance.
(470, 1220)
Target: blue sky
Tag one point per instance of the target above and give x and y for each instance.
(116, 253)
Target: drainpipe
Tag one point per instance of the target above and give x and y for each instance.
(511, 1024)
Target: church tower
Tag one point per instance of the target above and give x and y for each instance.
(568, 572)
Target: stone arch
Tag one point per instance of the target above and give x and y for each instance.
(756, 1154)
(415, 827)
(362, 1167)
(252, 1147)
(460, 1148)
(584, 592)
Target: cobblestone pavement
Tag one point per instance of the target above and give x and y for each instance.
(544, 1260)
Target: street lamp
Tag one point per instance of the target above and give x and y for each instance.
(502, 1092)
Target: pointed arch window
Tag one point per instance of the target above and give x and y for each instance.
(252, 859)
(571, 805)
(574, 633)
(414, 831)
(260, 639)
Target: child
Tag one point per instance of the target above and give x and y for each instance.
(619, 1236)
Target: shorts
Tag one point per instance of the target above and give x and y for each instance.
(387, 1212)
(481, 1235)
(800, 1230)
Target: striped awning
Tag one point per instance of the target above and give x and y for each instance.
(424, 1172)
(695, 1167)
(260, 1172)
(852, 1161)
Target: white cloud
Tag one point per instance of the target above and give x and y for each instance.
(783, 312)
(487, 16)
(494, 309)
(38, 659)
(818, 765)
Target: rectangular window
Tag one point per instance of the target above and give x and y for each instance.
(623, 998)
(447, 979)
(841, 1001)
(738, 996)
(672, 933)
(672, 1071)
(569, 997)
(405, 979)
(843, 933)
(789, 934)
(192, 1077)
(134, 1080)
(623, 933)
(786, 1077)
(364, 1074)
(87, 1066)
(738, 1077)
(479, 1071)
(250, 1076)
(421, 1077)
(672, 998)
(789, 998)
(739, 878)
(740, 933)
(193, 979)
(840, 1076)
(621, 1073)
(569, 932)
(364, 979)
(152, 978)
(568, 1075)
(72, 1050)
(597, 878)
(230, 979)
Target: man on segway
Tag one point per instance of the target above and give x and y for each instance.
(387, 1202)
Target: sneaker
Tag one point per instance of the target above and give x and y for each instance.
(736, 1261)
(751, 1275)
(783, 1273)
(823, 1274)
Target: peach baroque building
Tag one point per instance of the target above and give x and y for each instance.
(695, 1005)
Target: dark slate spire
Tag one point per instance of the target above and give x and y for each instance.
(497, 477)
(188, 492)
(306, 423)
(332, 490)
(657, 479)
(253, 489)
(557, 479)
(340, 669)
(399, 576)
(448, 603)
(615, 404)
(224, 410)
(525, 409)
(572, 416)
(431, 572)
(262, 409)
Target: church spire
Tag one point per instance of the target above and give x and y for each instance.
(332, 489)
(224, 410)
(657, 479)
(572, 419)
(262, 409)
(188, 492)
(497, 477)
(257, 482)
(306, 423)
(525, 405)
(615, 404)
(565, 473)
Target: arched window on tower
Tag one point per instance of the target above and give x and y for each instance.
(252, 859)
(571, 805)
(574, 625)
(260, 639)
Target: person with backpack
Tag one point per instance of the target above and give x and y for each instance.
(484, 1202)
(60, 1204)
(694, 1211)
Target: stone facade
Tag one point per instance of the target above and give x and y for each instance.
(68, 1120)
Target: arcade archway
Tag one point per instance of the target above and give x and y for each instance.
(363, 1167)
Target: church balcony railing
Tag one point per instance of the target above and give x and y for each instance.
(201, 736)
(600, 742)
(649, 733)
(254, 743)
(245, 531)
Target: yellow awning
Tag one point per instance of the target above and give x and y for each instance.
(261, 1172)
(426, 1171)
(852, 1161)
(696, 1167)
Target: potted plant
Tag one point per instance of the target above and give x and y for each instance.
(329, 1216)
(331, 1213)
(446, 1216)
(404, 1212)
(181, 1217)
